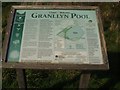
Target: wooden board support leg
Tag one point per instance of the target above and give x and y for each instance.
(84, 80)
(21, 78)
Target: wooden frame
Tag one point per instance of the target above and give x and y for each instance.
(38, 65)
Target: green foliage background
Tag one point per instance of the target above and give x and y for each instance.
(69, 79)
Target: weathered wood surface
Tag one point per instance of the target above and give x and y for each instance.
(84, 80)
(21, 78)
(38, 65)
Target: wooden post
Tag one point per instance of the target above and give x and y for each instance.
(21, 78)
(84, 80)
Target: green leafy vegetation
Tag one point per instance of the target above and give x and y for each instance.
(69, 79)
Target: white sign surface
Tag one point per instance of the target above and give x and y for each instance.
(57, 36)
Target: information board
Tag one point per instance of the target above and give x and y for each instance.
(56, 35)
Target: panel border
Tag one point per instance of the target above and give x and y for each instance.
(39, 65)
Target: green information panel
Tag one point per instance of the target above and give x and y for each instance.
(16, 37)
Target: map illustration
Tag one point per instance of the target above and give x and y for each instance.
(72, 33)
